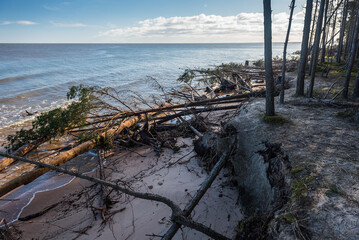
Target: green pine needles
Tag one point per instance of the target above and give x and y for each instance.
(57, 121)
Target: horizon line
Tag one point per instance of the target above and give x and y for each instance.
(135, 43)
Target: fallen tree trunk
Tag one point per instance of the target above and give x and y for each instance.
(62, 158)
(20, 152)
(222, 100)
(194, 111)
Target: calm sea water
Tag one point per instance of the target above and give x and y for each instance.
(36, 77)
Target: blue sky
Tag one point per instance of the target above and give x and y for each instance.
(122, 21)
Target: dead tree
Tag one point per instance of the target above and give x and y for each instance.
(342, 31)
(304, 49)
(292, 6)
(351, 58)
(268, 57)
(316, 47)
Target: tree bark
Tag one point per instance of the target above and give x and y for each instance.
(281, 98)
(268, 58)
(316, 47)
(20, 152)
(304, 49)
(351, 58)
(342, 31)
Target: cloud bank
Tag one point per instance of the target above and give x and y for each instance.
(244, 27)
(22, 22)
(68, 25)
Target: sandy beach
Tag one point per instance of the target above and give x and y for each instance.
(67, 212)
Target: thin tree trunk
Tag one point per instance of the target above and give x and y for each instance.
(351, 58)
(311, 39)
(304, 49)
(342, 31)
(316, 47)
(268, 57)
(324, 35)
(292, 6)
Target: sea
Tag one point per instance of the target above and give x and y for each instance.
(36, 77)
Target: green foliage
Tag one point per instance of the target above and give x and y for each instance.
(275, 120)
(345, 114)
(209, 76)
(289, 218)
(57, 121)
(300, 186)
(104, 142)
(332, 191)
(259, 63)
(296, 170)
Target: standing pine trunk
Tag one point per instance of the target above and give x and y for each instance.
(351, 58)
(304, 49)
(315, 53)
(292, 6)
(342, 31)
(268, 57)
(324, 35)
(356, 88)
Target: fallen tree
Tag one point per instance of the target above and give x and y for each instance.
(63, 157)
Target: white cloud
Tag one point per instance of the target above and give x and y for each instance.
(244, 27)
(51, 8)
(21, 22)
(68, 25)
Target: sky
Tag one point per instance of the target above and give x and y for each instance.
(144, 21)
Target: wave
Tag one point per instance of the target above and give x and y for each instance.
(28, 76)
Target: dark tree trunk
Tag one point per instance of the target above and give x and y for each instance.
(315, 53)
(292, 6)
(313, 23)
(356, 88)
(342, 31)
(351, 57)
(324, 35)
(350, 31)
(304, 49)
(268, 57)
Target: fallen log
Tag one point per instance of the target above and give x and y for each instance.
(68, 155)
(63, 157)
(207, 102)
(194, 111)
(5, 162)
